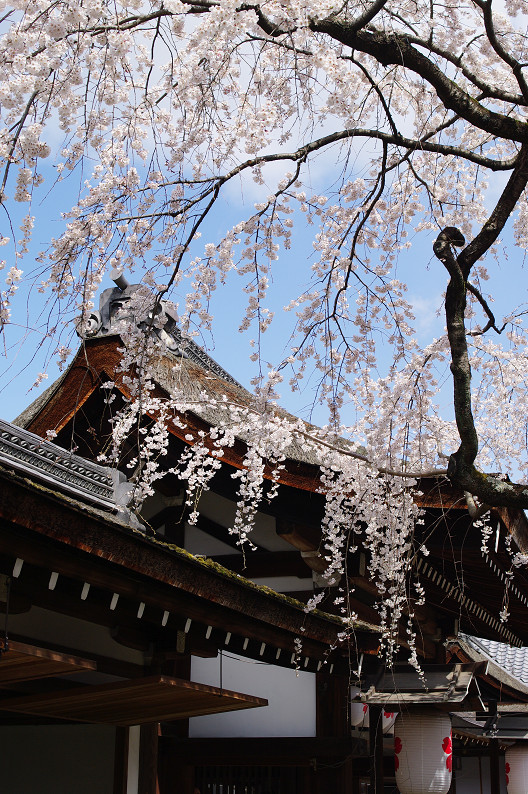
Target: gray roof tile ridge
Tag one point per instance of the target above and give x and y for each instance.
(512, 660)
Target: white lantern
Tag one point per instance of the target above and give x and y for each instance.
(359, 715)
(423, 752)
(358, 710)
(517, 769)
(389, 718)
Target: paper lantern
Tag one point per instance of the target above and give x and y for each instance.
(359, 715)
(389, 718)
(423, 752)
(517, 769)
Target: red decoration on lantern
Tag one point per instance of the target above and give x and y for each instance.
(425, 758)
(447, 747)
(397, 749)
(516, 768)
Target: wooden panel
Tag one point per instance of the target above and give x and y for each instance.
(133, 702)
(23, 662)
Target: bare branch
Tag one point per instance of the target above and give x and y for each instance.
(485, 305)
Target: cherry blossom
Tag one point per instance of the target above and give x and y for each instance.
(364, 127)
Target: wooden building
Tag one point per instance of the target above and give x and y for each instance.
(143, 654)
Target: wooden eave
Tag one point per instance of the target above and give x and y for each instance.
(23, 662)
(98, 361)
(124, 703)
(466, 739)
(53, 531)
(451, 687)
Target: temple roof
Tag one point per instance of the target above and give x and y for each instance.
(514, 661)
(181, 365)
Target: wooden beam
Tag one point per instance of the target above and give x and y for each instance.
(516, 524)
(217, 531)
(439, 493)
(302, 536)
(143, 569)
(316, 561)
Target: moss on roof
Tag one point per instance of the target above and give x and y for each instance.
(115, 523)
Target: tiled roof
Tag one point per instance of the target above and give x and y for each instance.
(85, 480)
(513, 660)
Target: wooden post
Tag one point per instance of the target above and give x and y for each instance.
(495, 786)
(120, 761)
(174, 774)
(332, 710)
(376, 748)
(148, 759)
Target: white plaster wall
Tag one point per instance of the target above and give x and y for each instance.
(57, 759)
(46, 626)
(291, 709)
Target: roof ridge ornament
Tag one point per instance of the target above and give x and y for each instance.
(117, 309)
